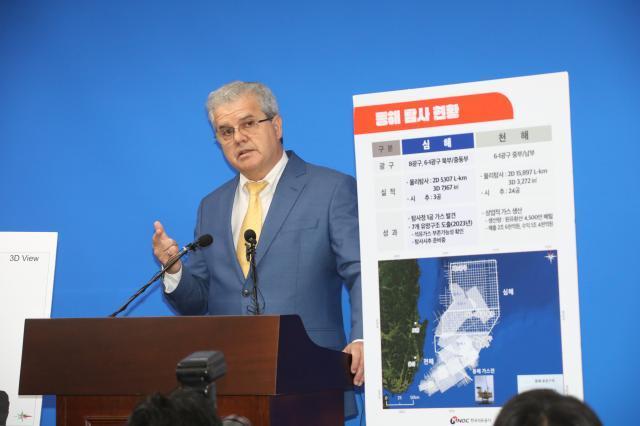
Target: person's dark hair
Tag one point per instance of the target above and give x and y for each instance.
(544, 407)
(4, 407)
(181, 408)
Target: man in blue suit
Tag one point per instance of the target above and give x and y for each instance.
(305, 219)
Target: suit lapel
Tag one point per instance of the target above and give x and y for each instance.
(227, 199)
(290, 186)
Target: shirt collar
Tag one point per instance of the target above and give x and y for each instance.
(271, 177)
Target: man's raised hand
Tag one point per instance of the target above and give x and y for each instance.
(164, 247)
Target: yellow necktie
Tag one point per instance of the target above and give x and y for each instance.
(252, 220)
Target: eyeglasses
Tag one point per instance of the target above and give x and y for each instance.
(248, 126)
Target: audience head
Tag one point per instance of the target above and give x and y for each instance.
(182, 408)
(4, 407)
(543, 407)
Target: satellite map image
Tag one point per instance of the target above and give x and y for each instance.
(464, 331)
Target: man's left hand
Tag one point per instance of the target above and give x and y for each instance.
(356, 349)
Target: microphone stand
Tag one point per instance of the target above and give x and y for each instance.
(251, 257)
(172, 261)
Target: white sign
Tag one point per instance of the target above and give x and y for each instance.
(467, 236)
(27, 266)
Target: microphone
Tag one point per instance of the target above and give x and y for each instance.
(202, 241)
(251, 241)
(250, 236)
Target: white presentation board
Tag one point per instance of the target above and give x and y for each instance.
(27, 266)
(467, 234)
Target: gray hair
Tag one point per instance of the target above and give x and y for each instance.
(232, 91)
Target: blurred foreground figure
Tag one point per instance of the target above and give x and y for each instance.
(543, 407)
(182, 408)
(4, 407)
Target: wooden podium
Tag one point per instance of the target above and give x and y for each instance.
(100, 368)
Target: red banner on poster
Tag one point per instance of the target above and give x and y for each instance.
(431, 113)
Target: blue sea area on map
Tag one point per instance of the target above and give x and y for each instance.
(526, 338)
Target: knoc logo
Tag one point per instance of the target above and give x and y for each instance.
(457, 420)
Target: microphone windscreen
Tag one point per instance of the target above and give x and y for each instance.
(204, 240)
(250, 235)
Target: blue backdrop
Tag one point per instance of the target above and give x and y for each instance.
(103, 130)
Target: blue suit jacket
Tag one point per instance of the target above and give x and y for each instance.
(308, 248)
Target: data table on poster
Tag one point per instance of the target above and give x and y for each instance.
(463, 188)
